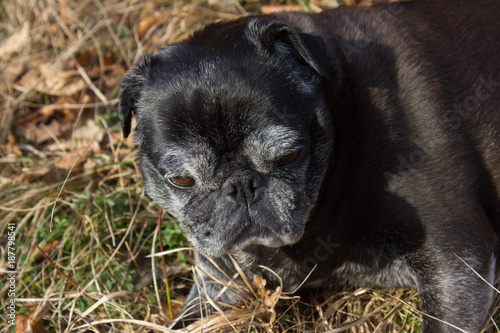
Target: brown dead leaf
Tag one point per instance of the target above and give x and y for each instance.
(80, 148)
(88, 137)
(176, 307)
(148, 9)
(163, 317)
(116, 137)
(11, 148)
(42, 133)
(148, 17)
(147, 23)
(195, 10)
(55, 82)
(68, 114)
(90, 131)
(83, 58)
(41, 116)
(41, 173)
(47, 249)
(268, 298)
(110, 59)
(16, 42)
(259, 282)
(32, 74)
(12, 73)
(73, 161)
(32, 322)
(62, 84)
(269, 9)
(32, 127)
(90, 164)
(272, 298)
(115, 13)
(64, 13)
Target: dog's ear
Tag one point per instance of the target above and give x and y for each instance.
(130, 91)
(278, 38)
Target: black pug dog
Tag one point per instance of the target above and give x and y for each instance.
(359, 144)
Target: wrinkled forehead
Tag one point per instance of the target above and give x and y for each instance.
(196, 155)
(218, 102)
(272, 140)
(269, 141)
(219, 108)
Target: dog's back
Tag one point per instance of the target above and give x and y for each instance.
(417, 145)
(462, 41)
(442, 59)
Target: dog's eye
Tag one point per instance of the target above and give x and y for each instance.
(291, 158)
(181, 181)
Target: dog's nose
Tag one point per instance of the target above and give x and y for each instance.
(244, 188)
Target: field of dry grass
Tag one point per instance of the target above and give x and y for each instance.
(71, 191)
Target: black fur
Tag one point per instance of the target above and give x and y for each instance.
(393, 114)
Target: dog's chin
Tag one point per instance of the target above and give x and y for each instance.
(215, 247)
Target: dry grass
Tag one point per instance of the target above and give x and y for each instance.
(70, 183)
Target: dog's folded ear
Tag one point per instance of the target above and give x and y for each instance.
(277, 38)
(130, 90)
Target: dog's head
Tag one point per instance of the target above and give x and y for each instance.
(234, 132)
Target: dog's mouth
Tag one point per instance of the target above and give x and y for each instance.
(217, 244)
(219, 227)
